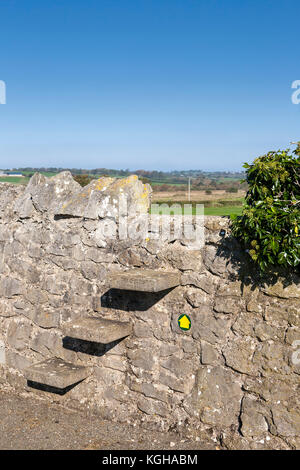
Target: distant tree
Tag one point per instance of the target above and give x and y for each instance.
(83, 180)
(144, 180)
(233, 189)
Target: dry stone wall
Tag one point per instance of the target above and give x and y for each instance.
(233, 375)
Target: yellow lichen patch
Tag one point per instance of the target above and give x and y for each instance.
(121, 183)
(137, 192)
(145, 193)
(103, 182)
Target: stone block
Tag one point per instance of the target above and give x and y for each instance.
(254, 418)
(44, 318)
(183, 258)
(2, 352)
(209, 354)
(17, 361)
(183, 385)
(56, 373)
(100, 199)
(239, 356)
(214, 263)
(287, 420)
(279, 289)
(152, 407)
(228, 305)
(141, 358)
(150, 391)
(99, 330)
(216, 397)
(112, 361)
(10, 287)
(197, 297)
(109, 377)
(18, 334)
(144, 280)
(91, 271)
(46, 193)
(45, 341)
(179, 367)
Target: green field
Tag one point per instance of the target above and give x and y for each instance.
(225, 210)
(230, 209)
(14, 179)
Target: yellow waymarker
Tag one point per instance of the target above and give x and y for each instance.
(184, 322)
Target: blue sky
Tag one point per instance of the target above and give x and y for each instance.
(154, 84)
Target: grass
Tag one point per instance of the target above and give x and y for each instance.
(221, 207)
(225, 210)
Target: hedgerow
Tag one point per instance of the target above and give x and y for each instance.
(269, 225)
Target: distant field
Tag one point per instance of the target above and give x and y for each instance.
(14, 179)
(197, 195)
(45, 173)
(161, 183)
(219, 202)
(24, 179)
(230, 179)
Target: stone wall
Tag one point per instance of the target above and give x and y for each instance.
(233, 375)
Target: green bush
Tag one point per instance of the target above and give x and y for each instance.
(232, 190)
(269, 226)
(83, 180)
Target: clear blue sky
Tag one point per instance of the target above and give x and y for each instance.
(154, 84)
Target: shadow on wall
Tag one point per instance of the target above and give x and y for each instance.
(88, 347)
(131, 300)
(245, 270)
(50, 389)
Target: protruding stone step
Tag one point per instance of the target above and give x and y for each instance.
(56, 373)
(144, 280)
(99, 330)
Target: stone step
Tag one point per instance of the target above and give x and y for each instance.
(57, 373)
(143, 280)
(99, 330)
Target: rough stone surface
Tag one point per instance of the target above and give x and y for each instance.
(216, 397)
(42, 193)
(99, 198)
(234, 374)
(2, 352)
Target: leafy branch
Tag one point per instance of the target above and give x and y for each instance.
(269, 225)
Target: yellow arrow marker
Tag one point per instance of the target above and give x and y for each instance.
(184, 322)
